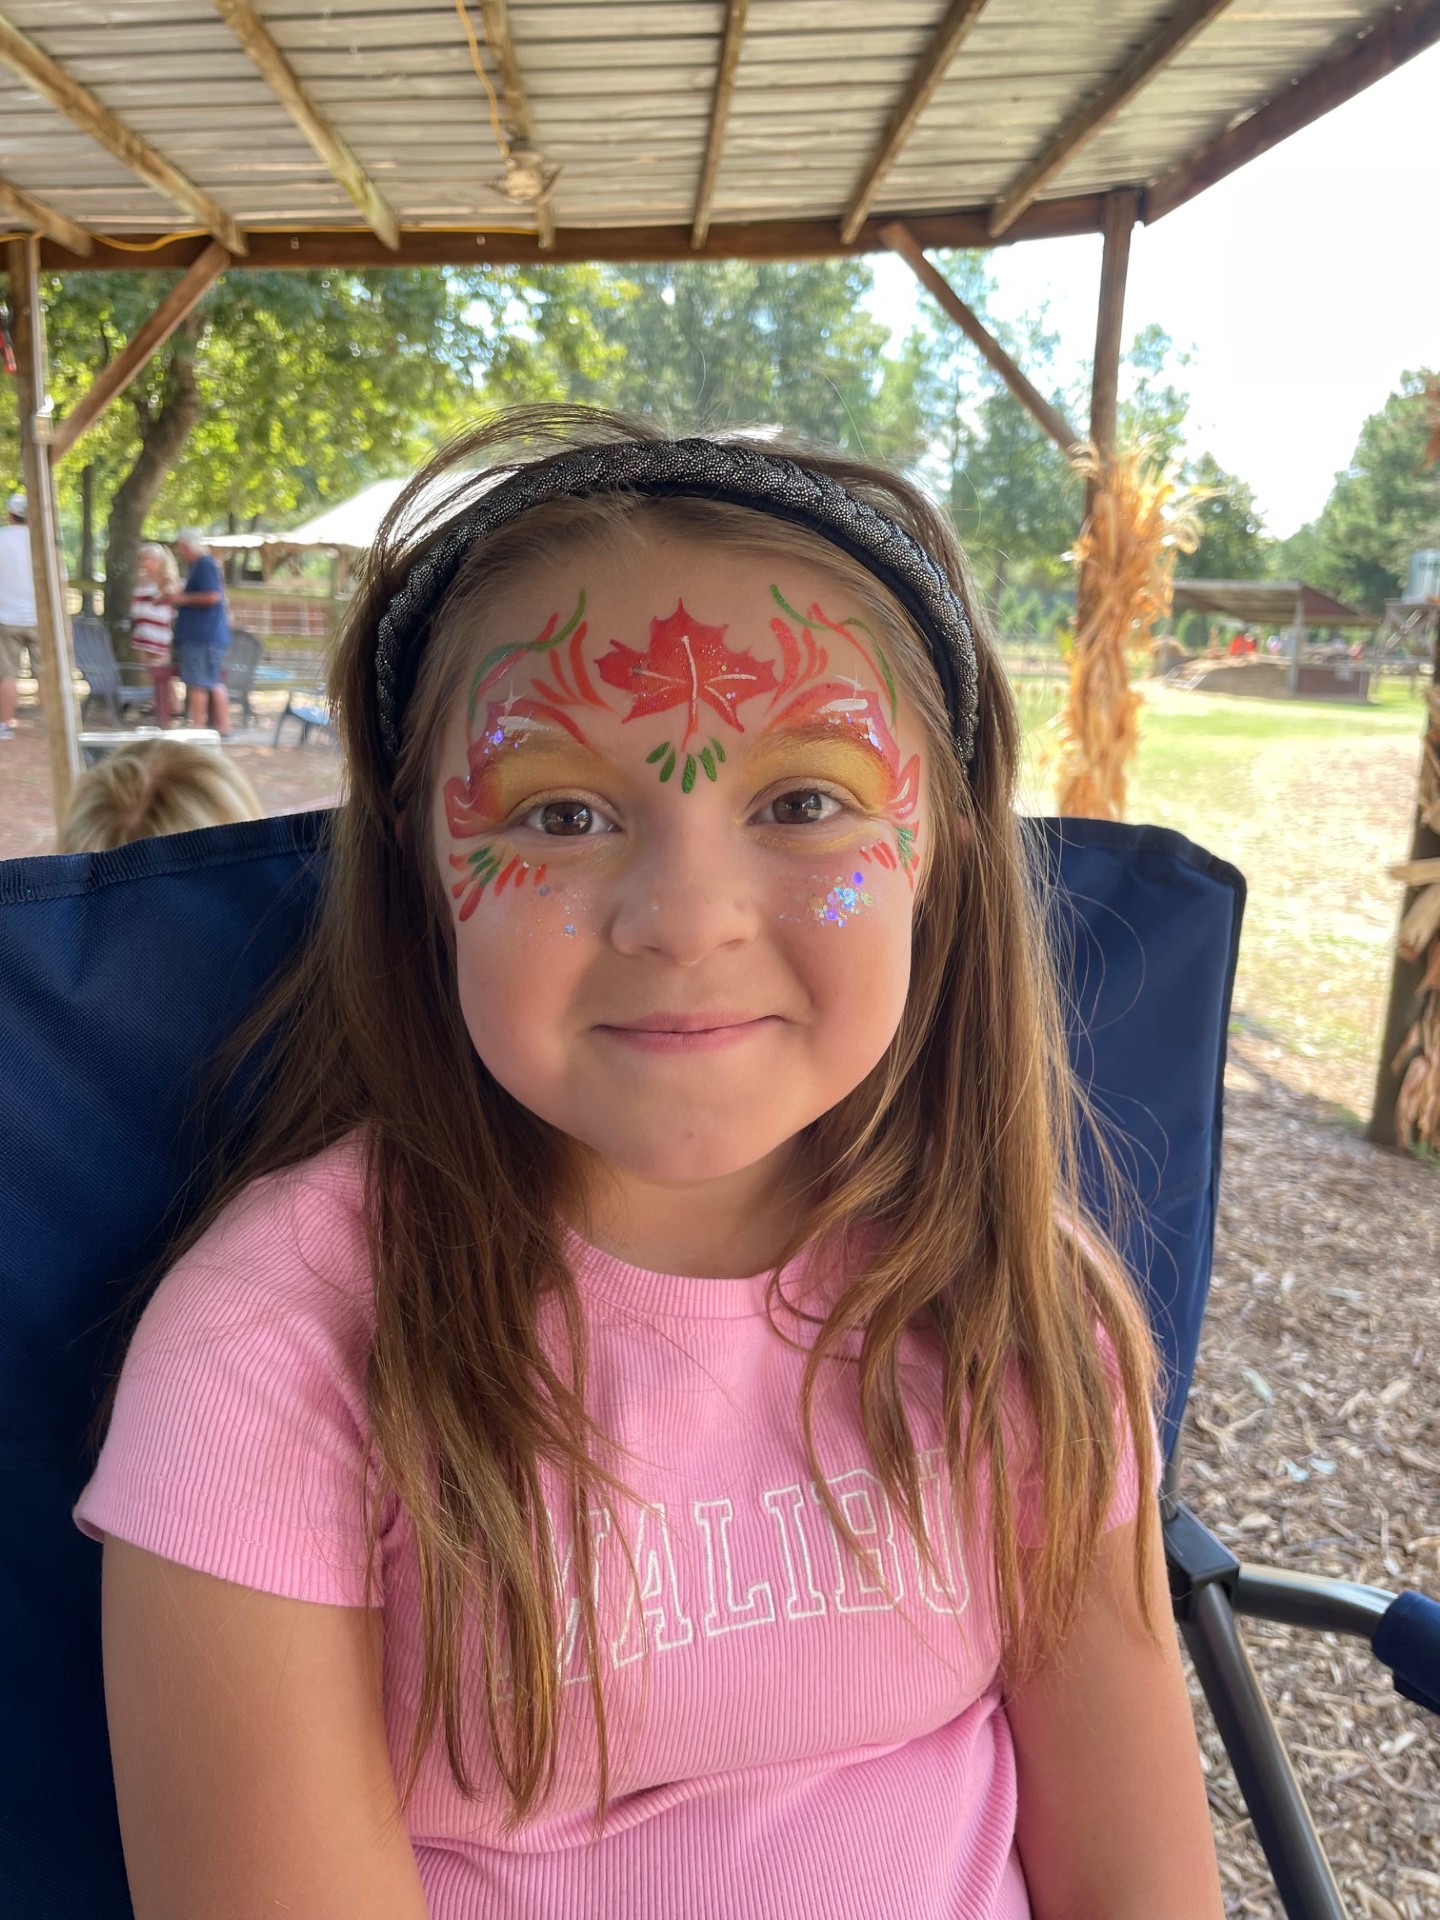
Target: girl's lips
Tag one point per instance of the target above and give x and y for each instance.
(685, 1033)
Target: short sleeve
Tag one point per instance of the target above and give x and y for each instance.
(239, 1444)
(1124, 1495)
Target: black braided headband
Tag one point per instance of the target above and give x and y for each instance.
(740, 476)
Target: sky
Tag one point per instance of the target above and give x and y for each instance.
(1303, 285)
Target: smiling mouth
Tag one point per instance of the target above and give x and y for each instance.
(688, 1032)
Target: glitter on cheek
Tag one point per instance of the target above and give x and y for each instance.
(842, 902)
(543, 892)
(569, 930)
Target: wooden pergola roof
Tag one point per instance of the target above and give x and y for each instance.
(1268, 603)
(352, 132)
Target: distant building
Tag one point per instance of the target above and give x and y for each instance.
(1423, 580)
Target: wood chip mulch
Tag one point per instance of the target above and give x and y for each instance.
(1313, 1442)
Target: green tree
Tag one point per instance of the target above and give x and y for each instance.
(1010, 491)
(1383, 506)
(280, 390)
(1233, 542)
(1153, 408)
(715, 343)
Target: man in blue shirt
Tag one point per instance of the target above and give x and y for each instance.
(202, 632)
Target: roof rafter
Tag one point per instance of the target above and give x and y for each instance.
(898, 237)
(1389, 44)
(49, 79)
(735, 12)
(944, 44)
(496, 16)
(16, 204)
(1189, 20)
(139, 349)
(254, 36)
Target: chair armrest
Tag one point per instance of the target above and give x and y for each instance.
(1310, 1600)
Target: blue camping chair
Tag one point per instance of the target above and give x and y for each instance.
(99, 1146)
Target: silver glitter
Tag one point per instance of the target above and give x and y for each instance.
(740, 476)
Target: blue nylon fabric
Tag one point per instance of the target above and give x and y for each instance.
(1408, 1642)
(121, 973)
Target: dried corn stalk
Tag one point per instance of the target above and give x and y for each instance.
(1417, 1065)
(1126, 556)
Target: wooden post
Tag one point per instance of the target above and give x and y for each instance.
(1121, 209)
(1405, 975)
(1297, 640)
(51, 619)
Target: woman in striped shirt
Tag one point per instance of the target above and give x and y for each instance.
(151, 620)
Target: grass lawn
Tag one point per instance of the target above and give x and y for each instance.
(1311, 801)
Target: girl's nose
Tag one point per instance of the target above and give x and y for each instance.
(686, 897)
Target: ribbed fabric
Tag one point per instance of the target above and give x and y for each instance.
(793, 1732)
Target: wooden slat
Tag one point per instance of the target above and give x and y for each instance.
(944, 44)
(16, 204)
(735, 12)
(899, 238)
(39, 72)
(1177, 33)
(1397, 38)
(147, 339)
(250, 30)
(497, 34)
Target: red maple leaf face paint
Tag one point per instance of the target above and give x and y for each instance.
(688, 664)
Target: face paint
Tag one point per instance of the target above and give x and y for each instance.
(687, 665)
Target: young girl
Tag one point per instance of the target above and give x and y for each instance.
(646, 1429)
(151, 620)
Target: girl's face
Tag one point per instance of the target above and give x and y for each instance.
(150, 566)
(680, 815)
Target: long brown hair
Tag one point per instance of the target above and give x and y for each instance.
(961, 1144)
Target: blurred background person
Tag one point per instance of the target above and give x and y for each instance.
(202, 632)
(154, 787)
(17, 608)
(152, 621)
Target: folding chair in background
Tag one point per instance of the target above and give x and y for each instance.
(99, 1081)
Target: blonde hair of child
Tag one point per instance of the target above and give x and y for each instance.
(151, 787)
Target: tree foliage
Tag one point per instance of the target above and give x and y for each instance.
(1233, 542)
(1383, 506)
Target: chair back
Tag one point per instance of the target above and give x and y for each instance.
(246, 651)
(94, 654)
(122, 973)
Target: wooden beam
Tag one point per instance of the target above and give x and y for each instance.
(466, 246)
(1398, 37)
(113, 379)
(496, 16)
(1406, 976)
(899, 239)
(16, 204)
(1179, 30)
(52, 663)
(930, 69)
(46, 77)
(735, 12)
(254, 36)
(1121, 210)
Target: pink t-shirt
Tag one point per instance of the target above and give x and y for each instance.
(792, 1732)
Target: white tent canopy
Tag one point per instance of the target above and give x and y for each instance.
(350, 526)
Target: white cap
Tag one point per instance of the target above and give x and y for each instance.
(16, 505)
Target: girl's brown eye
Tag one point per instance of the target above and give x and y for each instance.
(803, 808)
(567, 817)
